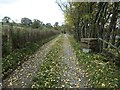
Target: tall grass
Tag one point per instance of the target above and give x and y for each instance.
(18, 37)
(19, 42)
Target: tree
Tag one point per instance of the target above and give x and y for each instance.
(48, 25)
(37, 24)
(26, 21)
(6, 19)
(56, 25)
(112, 24)
(92, 19)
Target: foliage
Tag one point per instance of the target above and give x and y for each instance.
(26, 21)
(92, 19)
(20, 55)
(49, 74)
(6, 19)
(101, 74)
(20, 42)
(48, 25)
(37, 24)
(56, 26)
(17, 37)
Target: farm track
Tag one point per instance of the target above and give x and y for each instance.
(67, 67)
(71, 74)
(23, 75)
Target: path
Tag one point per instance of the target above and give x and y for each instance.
(73, 76)
(22, 76)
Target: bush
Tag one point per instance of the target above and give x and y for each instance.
(19, 43)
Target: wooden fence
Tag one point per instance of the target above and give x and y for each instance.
(117, 49)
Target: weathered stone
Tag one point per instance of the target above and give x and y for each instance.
(92, 44)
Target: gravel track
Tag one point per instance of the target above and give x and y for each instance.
(73, 75)
(23, 75)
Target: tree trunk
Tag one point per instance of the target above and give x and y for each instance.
(112, 22)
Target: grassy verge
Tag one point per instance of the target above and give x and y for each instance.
(15, 58)
(49, 74)
(101, 74)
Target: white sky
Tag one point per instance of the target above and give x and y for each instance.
(46, 11)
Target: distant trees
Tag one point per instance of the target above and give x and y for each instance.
(37, 24)
(48, 25)
(6, 19)
(56, 26)
(26, 21)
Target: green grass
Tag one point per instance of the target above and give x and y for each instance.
(20, 55)
(100, 74)
(49, 74)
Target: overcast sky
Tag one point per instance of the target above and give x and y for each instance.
(45, 10)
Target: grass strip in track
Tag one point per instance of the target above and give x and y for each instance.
(49, 74)
(17, 57)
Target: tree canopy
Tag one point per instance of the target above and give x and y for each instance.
(92, 19)
(37, 24)
(6, 19)
(26, 21)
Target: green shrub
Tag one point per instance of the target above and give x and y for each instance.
(100, 74)
(20, 43)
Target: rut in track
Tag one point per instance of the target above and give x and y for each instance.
(73, 75)
(23, 75)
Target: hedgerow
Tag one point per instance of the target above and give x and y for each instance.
(18, 43)
(100, 74)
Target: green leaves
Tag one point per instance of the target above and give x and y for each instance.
(49, 74)
(101, 74)
(19, 55)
